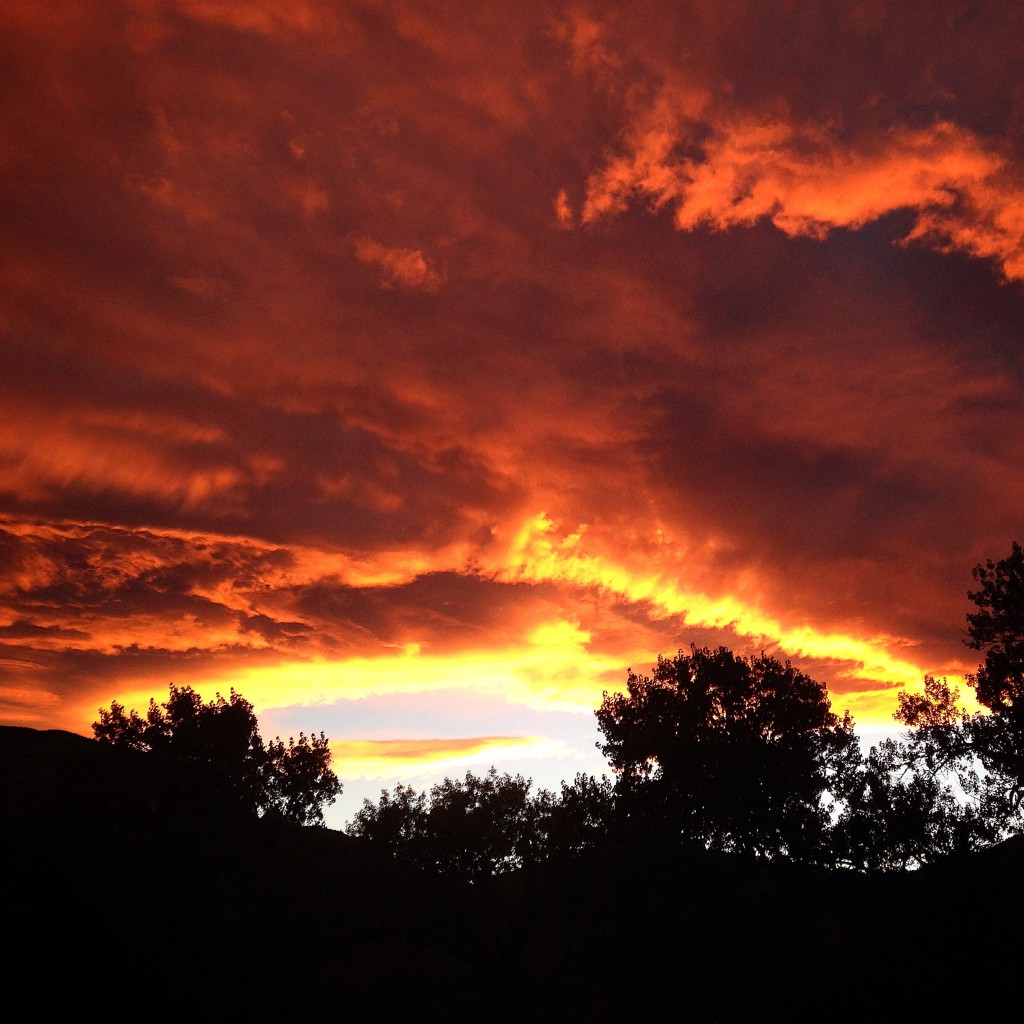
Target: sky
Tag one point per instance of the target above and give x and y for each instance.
(417, 368)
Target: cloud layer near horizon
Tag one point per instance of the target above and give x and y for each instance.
(347, 348)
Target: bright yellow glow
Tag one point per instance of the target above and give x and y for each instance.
(555, 666)
(551, 670)
(537, 555)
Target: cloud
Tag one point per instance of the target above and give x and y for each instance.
(806, 181)
(268, 17)
(402, 268)
(563, 211)
(301, 365)
(383, 759)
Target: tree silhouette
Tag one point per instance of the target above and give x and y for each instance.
(487, 825)
(302, 782)
(918, 799)
(482, 825)
(997, 629)
(578, 819)
(737, 754)
(395, 823)
(470, 828)
(221, 742)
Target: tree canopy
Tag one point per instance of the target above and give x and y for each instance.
(221, 741)
(954, 782)
(740, 754)
(997, 629)
(916, 799)
(487, 825)
(471, 827)
(724, 752)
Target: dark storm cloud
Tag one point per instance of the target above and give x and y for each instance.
(272, 631)
(22, 630)
(78, 680)
(443, 610)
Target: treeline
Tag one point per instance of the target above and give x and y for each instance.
(744, 755)
(119, 868)
(711, 752)
(487, 825)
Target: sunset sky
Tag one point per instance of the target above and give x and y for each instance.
(416, 368)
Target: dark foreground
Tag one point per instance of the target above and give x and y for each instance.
(132, 894)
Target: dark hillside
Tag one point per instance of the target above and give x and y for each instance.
(128, 890)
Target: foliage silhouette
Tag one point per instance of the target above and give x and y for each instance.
(471, 827)
(921, 798)
(220, 740)
(954, 783)
(487, 825)
(579, 819)
(945, 742)
(997, 629)
(736, 754)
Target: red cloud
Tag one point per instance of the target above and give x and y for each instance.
(402, 268)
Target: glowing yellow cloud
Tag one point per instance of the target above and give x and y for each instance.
(550, 670)
(538, 555)
(555, 666)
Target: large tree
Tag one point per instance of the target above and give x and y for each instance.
(997, 630)
(954, 782)
(221, 743)
(738, 754)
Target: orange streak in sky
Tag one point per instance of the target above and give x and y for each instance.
(388, 758)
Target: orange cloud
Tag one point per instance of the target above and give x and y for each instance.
(538, 553)
(807, 181)
(33, 707)
(563, 211)
(238, 451)
(988, 223)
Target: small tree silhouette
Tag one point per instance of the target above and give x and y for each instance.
(222, 743)
(469, 828)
